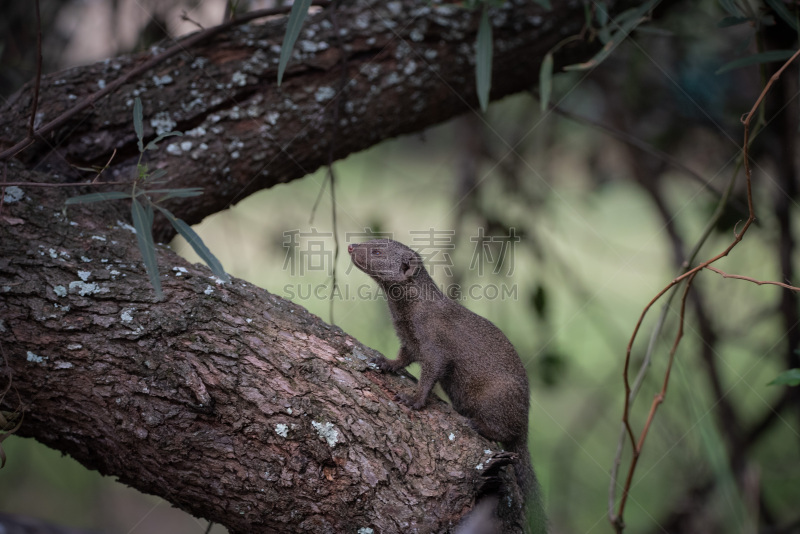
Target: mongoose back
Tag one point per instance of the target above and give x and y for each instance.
(470, 357)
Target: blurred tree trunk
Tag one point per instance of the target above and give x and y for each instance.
(233, 404)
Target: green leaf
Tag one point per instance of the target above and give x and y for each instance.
(296, 18)
(177, 193)
(143, 223)
(152, 144)
(156, 174)
(787, 378)
(97, 197)
(625, 23)
(763, 57)
(545, 81)
(138, 127)
(483, 60)
(780, 8)
(197, 244)
(544, 3)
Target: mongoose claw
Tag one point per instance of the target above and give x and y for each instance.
(381, 363)
(411, 402)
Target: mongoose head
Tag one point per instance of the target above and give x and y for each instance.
(386, 261)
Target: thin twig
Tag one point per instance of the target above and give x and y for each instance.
(332, 145)
(658, 327)
(144, 67)
(186, 18)
(657, 400)
(617, 519)
(753, 280)
(35, 103)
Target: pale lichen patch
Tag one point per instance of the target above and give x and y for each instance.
(327, 432)
(84, 289)
(162, 123)
(126, 226)
(35, 358)
(127, 315)
(239, 78)
(324, 93)
(282, 430)
(161, 81)
(13, 194)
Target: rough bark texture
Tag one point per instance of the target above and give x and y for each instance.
(229, 402)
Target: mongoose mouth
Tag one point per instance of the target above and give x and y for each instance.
(357, 255)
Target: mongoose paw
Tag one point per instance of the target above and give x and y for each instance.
(382, 363)
(411, 402)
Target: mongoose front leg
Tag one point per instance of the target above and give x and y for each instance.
(427, 379)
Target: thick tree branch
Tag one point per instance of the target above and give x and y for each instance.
(231, 403)
(409, 65)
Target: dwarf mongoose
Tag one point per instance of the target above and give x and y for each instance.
(470, 357)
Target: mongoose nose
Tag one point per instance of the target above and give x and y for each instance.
(349, 249)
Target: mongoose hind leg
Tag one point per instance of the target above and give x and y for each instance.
(489, 425)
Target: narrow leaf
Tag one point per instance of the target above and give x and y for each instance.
(177, 193)
(295, 22)
(545, 81)
(152, 144)
(780, 8)
(197, 244)
(148, 211)
(138, 126)
(143, 222)
(97, 197)
(787, 378)
(483, 60)
(156, 174)
(763, 57)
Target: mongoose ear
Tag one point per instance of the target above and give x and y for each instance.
(410, 266)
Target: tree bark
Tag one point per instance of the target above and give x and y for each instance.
(229, 402)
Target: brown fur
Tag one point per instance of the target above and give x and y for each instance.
(470, 357)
